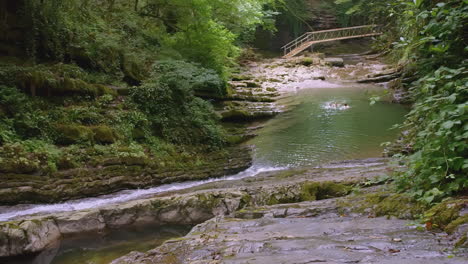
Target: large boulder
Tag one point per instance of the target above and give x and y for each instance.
(28, 237)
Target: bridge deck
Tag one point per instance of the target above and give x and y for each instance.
(310, 38)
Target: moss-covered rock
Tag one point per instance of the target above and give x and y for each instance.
(18, 166)
(241, 77)
(236, 115)
(451, 228)
(323, 190)
(66, 163)
(384, 203)
(443, 214)
(307, 61)
(104, 134)
(73, 134)
(398, 205)
(252, 84)
(133, 71)
(45, 83)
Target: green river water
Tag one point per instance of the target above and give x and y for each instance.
(311, 132)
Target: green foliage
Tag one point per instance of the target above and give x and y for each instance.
(65, 112)
(29, 156)
(359, 12)
(429, 37)
(122, 38)
(204, 82)
(437, 128)
(174, 112)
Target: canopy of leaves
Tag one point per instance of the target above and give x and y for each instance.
(104, 34)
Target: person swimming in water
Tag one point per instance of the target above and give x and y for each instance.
(340, 106)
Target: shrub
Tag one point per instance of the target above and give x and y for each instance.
(174, 112)
(204, 82)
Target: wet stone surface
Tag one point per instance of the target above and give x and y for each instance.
(308, 232)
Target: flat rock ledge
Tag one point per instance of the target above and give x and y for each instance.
(307, 232)
(190, 207)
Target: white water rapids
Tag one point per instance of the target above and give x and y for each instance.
(15, 212)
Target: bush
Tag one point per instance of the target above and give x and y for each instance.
(29, 156)
(437, 128)
(204, 82)
(174, 112)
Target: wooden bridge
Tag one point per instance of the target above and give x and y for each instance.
(310, 38)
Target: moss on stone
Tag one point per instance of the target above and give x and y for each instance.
(18, 166)
(306, 61)
(383, 203)
(452, 227)
(103, 90)
(441, 215)
(104, 134)
(246, 200)
(252, 84)
(398, 205)
(170, 258)
(233, 140)
(312, 191)
(289, 173)
(241, 77)
(65, 163)
(45, 83)
(236, 115)
(133, 71)
(462, 242)
(72, 134)
(272, 200)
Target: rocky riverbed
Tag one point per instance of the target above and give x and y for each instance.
(288, 216)
(280, 216)
(257, 87)
(34, 234)
(307, 232)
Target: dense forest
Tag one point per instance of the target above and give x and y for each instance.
(82, 80)
(91, 89)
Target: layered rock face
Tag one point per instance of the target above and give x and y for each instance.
(115, 175)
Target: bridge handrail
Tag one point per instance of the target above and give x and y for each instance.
(342, 29)
(297, 39)
(305, 37)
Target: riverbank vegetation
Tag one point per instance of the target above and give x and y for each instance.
(428, 39)
(82, 81)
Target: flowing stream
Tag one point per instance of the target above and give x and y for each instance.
(316, 129)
